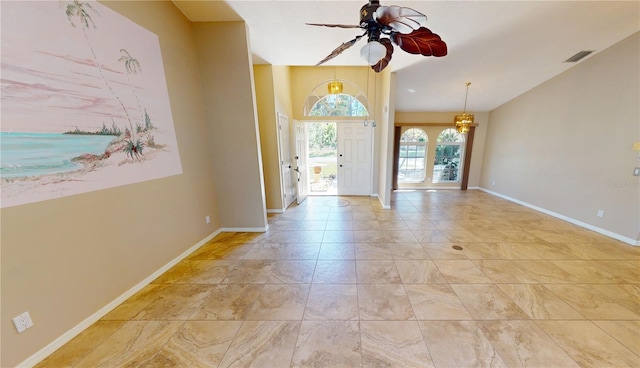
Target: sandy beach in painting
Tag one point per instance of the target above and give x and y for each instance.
(95, 171)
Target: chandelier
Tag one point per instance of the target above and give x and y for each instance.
(334, 87)
(464, 121)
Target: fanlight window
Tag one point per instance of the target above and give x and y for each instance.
(350, 102)
(413, 154)
(446, 165)
(338, 105)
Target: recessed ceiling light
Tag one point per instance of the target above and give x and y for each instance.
(411, 90)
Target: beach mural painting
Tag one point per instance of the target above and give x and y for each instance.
(84, 99)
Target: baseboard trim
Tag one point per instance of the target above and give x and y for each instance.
(275, 210)
(565, 218)
(76, 330)
(384, 206)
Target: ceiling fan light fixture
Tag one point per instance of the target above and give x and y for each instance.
(373, 52)
(334, 87)
(464, 121)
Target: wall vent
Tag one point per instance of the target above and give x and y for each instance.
(579, 56)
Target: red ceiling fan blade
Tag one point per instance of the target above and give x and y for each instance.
(338, 50)
(421, 41)
(333, 25)
(386, 59)
(400, 19)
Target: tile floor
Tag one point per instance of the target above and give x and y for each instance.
(340, 282)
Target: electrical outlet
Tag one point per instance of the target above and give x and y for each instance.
(600, 213)
(207, 219)
(22, 322)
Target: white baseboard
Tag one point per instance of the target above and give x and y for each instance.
(275, 210)
(384, 206)
(568, 219)
(76, 330)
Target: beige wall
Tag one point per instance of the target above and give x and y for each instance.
(232, 118)
(273, 97)
(267, 119)
(282, 96)
(565, 146)
(64, 259)
(477, 153)
(282, 90)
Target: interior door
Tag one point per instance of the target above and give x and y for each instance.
(301, 161)
(354, 159)
(288, 183)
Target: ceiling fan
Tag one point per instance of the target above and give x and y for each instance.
(403, 26)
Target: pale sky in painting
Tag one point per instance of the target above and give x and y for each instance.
(50, 82)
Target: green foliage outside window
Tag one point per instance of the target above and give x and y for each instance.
(448, 153)
(322, 136)
(338, 105)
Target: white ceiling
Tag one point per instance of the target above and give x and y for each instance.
(504, 48)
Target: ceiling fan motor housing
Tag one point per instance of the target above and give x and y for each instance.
(368, 22)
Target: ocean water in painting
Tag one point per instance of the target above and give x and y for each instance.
(35, 154)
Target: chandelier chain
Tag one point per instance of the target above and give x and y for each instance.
(465, 97)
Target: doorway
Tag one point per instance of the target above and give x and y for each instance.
(323, 158)
(339, 158)
(287, 178)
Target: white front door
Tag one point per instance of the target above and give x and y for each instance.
(301, 161)
(288, 184)
(354, 159)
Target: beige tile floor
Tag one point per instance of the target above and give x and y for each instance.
(340, 282)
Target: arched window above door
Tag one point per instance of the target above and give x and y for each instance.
(338, 105)
(352, 102)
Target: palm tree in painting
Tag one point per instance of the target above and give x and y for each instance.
(79, 11)
(132, 66)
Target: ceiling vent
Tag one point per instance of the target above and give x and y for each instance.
(579, 56)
